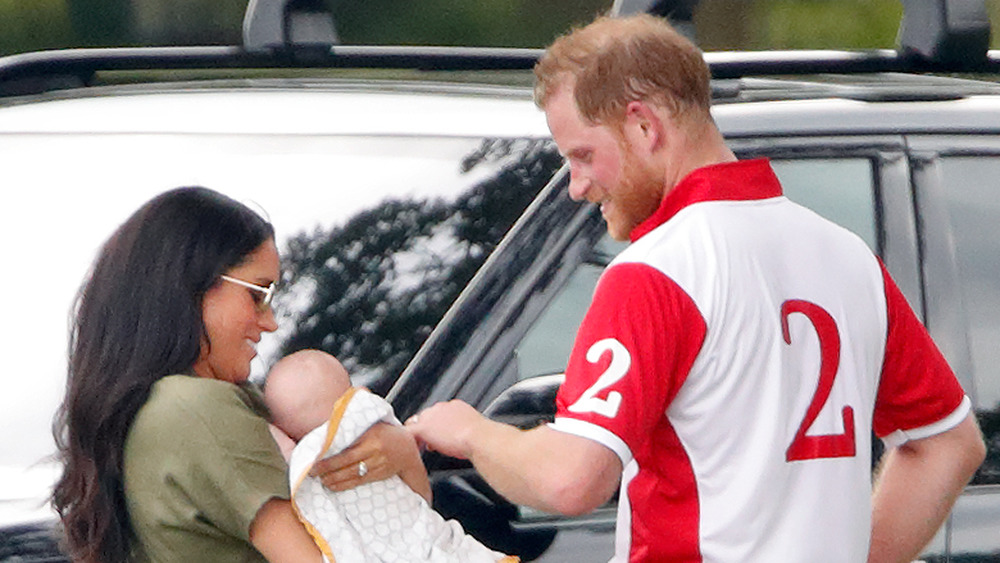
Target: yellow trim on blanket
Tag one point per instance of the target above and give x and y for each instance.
(334, 424)
(316, 536)
(335, 417)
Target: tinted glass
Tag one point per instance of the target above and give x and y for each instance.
(840, 189)
(974, 208)
(548, 343)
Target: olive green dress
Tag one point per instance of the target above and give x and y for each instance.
(199, 463)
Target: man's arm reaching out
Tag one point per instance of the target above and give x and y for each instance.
(916, 488)
(542, 468)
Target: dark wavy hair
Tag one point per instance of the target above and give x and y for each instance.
(138, 318)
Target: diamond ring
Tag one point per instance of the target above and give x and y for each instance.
(362, 469)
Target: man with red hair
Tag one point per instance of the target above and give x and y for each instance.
(736, 356)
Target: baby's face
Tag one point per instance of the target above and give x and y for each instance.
(302, 390)
(304, 409)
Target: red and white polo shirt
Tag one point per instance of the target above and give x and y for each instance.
(736, 356)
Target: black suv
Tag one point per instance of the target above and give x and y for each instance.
(426, 233)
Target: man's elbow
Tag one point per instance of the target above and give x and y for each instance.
(971, 445)
(964, 447)
(581, 495)
(578, 477)
(977, 451)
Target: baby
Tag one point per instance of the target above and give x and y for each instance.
(316, 413)
(300, 391)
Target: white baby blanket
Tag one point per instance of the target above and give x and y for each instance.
(384, 521)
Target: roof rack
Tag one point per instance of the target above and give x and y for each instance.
(734, 64)
(952, 33)
(936, 36)
(43, 71)
(680, 13)
(283, 24)
(47, 70)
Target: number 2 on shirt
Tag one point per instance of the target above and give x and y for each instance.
(805, 447)
(621, 361)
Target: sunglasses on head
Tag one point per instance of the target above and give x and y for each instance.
(261, 295)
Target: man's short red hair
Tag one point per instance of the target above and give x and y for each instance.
(614, 61)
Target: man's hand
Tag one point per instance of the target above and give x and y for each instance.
(446, 428)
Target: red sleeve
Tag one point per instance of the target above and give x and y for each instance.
(917, 387)
(632, 353)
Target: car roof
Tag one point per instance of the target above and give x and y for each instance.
(748, 106)
(283, 106)
(838, 116)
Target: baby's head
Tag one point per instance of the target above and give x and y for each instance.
(301, 390)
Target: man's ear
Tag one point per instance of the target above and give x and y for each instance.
(643, 127)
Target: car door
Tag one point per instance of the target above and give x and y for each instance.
(956, 182)
(508, 356)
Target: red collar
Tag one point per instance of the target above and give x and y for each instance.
(741, 180)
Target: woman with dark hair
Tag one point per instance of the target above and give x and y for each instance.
(166, 446)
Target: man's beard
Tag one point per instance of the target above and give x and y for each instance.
(640, 193)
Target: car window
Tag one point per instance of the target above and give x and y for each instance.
(840, 189)
(974, 210)
(378, 235)
(547, 344)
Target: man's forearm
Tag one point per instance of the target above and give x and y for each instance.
(542, 468)
(510, 461)
(917, 486)
(546, 469)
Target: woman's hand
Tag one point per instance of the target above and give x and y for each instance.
(381, 452)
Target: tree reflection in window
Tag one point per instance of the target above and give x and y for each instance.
(377, 285)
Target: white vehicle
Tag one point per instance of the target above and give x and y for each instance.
(427, 239)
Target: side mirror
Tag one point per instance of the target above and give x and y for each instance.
(527, 403)
(462, 494)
